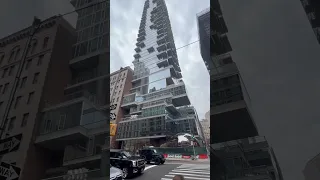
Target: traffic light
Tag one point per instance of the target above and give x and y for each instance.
(113, 129)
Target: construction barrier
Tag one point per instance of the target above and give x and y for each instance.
(180, 156)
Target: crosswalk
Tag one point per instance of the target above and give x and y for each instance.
(190, 171)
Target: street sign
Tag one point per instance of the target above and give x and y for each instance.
(9, 172)
(113, 129)
(10, 144)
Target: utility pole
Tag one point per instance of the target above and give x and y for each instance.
(35, 25)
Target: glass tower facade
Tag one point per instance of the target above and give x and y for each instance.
(152, 107)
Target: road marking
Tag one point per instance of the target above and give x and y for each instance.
(188, 177)
(148, 167)
(165, 179)
(196, 172)
(187, 174)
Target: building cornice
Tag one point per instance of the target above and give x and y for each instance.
(17, 36)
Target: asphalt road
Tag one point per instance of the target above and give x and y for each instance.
(195, 171)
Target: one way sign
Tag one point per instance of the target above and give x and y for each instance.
(9, 172)
(10, 144)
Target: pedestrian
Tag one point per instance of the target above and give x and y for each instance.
(178, 177)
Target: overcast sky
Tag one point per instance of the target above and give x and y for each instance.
(125, 20)
(278, 57)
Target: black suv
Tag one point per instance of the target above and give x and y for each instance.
(129, 164)
(151, 155)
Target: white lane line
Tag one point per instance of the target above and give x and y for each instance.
(188, 174)
(148, 167)
(196, 172)
(165, 179)
(188, 177)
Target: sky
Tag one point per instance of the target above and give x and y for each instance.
(278, 57)
(124, 23)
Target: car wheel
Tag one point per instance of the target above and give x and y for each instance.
(141, 171)
(125, 173)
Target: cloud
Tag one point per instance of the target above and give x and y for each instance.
(125, 21)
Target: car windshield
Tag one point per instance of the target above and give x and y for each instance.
(126, 154)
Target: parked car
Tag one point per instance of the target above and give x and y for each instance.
(115, 173)
(151, 155)
(129, 164)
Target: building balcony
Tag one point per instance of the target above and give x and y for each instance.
(57, 139)
(92, 151)
(140, 44)
(69, 122)
(86, 78)
(223, 71)
(88, 60)
(141, 38)
(135, 110)
(129, 101)
(221, 44)
(138, 50)
(133, 117)
(137, 56)
(142, 34)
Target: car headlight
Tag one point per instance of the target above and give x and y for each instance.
(134, 163)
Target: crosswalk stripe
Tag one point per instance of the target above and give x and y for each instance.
(189, 177)
(188, 174)
(196, 172)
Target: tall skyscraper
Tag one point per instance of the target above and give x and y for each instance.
(234, 138)
(152, 107)
(312, 9)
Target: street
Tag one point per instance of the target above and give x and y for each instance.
(190, 170)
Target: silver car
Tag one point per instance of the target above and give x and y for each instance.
(115, 173)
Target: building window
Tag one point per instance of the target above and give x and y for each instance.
(1, 58)
(23, 82)
(1, 88)
(48, 125)
(30, 97)
(5, 89)
(11, 124)
(11, 69)
(28, 64)
(17, 55)
(35, 78)
(24, 120)
(33, 47)
(4, 74)
(1, 103)
(11, 56)
(117, 99)
(18, 100)
(40, 59)
(62, 121)
(45, 42)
